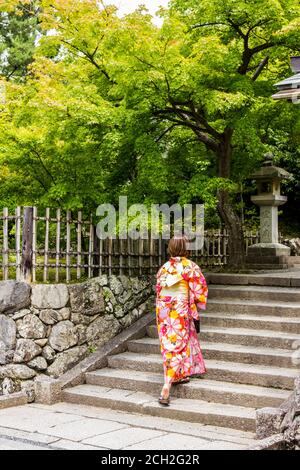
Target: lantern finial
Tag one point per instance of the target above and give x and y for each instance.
(268, 159)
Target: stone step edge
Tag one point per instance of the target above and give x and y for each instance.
(250, 303)
(255, 279)
(238, 417)
(157, 379)
(237, 331)
(248, 316)
(226, 347)
(242, 366)
(13, 399)
(255, 288)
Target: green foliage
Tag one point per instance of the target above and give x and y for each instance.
(19, 31)
(116, 106)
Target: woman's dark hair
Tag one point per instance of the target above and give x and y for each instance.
(178, 246)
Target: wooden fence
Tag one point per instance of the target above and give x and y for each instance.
(58, 245)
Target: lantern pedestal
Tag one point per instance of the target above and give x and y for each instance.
(268, 256)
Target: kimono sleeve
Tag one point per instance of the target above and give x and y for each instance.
(198, 290)
(158, 275)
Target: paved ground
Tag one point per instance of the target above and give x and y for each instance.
(68, 426)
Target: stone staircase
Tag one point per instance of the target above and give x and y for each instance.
(248, 337)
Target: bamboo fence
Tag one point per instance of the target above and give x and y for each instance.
(55, 246)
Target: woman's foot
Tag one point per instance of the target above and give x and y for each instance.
(164, 398)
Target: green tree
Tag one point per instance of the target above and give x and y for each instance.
(19, 30)
(211, 70)
(118, 106)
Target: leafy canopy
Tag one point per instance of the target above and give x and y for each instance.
(119, 106)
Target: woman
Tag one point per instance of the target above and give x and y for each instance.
(181, 291)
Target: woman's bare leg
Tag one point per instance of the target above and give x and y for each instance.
(165, 392)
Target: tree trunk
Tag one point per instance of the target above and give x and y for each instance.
(232, 221)
(233, 225)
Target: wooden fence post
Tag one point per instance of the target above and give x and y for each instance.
(18, 242)
(5, 251)
(26, 263)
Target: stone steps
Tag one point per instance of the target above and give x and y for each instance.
(252, 374)
(255, 293)
(224, 351)
(290, 278)
(184, 409)
(250, 335)
(242, 336)
(232, 320)
(253, 307)
(197, 389)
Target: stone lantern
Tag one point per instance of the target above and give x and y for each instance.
(289, 89)
(269, 253)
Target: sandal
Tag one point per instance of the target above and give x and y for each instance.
(164, 401)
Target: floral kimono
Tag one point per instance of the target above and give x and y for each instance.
(181, 292)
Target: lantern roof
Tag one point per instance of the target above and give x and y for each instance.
(289, 89)
(293, 81)
(269, 171)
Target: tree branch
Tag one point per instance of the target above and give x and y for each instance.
(249, 53)
(262, 47)
(169, 129)
(260, 68)
(194, 114)
(201, 25)
(237, 28)
(90, 57)
(43, 164)
(200, 132)
(144, 62)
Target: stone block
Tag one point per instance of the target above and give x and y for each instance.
(8, 332)
(38, 363)
(49, 316)
(8, 386)
(268, 421)
(49, 354)
(31, 327)
(47, 390)
(102, 329)
(65, 360)
(63, 336)
(26, 350)
(14, 296)
(87, 298)
(16, 371)
(50, 296)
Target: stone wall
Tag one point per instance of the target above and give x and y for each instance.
(48, 328)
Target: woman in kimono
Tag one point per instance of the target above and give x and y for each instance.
(181, 292)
